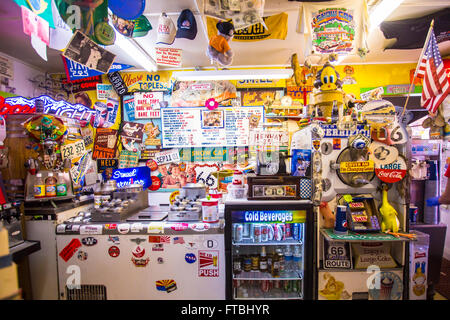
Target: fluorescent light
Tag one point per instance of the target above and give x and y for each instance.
(382, 11)
(134, 51)
(250, 74)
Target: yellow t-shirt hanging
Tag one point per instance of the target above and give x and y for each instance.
(276, 29)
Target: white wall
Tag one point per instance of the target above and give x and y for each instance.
(22, 73)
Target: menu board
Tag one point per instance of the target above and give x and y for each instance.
(200, 127)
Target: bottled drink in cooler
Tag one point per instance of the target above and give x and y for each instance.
(255, 262)
(281, 259)
(269, 260)
(275, 265)
(237, 263)
(297, 259)
(247, 263)
(288, 259)
(263, 260)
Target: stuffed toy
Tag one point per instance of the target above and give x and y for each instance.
(218, 49)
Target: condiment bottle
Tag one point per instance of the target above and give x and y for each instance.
(39, 186)
(61, 187)
(50, 185)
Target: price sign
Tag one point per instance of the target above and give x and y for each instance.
(167, 156)
(356, 166)
(203, 174)
(73, 150)
(337, 255)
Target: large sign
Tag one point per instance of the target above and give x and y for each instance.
(128, 176)
(269, 216)
(61, 108)
(199, 127)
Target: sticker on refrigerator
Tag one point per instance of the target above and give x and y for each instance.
(190, 258)
(114, 239)
(178, 240)
(208, 263)
(138, 252)
(140, 262)
(89, 241)
(114, 251)
(179, 226)
(155, 227)
(160, 260)
(158, 247)
(138, 240)
(123, 228)
(70, 249)
(159, 239)
(91, 229)
(111, 226)
(82, 255)
(199, 226)
(61, 228)
(136, 227)
(166, 285)
(191, 245)
(210, 244)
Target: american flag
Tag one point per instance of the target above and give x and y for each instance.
(435, 83)
(178, 240)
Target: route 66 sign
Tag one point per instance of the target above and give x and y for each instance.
(203, 174)
(337, 255)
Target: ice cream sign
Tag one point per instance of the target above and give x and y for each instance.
(392, 172)
(291, 216)
(128, 176)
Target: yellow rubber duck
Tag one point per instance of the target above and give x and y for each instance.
(389, 215)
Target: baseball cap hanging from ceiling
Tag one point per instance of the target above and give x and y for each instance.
(187, 26)
(128, 10)
(166, 30)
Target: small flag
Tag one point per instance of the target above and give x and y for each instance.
(436, 86)
(178, 240)
(165, 239)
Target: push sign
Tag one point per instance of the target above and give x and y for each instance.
(337, 255)
(128, 176)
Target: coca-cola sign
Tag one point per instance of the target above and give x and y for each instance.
(392, 172)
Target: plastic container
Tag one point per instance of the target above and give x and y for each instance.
(61, 186)
(39, 186)
(237, 191)
(50, 185)
(210, 210)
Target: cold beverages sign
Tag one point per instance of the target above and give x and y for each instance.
(146, 105)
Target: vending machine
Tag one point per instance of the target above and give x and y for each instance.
(269, 247)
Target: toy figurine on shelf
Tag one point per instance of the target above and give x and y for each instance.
(388, 213)
(329, 95)
(49, 131)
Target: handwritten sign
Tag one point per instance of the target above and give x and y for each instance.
(197, 127)
(146, 104)
(168, 57)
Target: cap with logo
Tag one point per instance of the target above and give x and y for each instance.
(187, 26)
(166, 30)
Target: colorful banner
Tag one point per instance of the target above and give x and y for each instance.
(269, 216)
(276, 29)
(77, 71)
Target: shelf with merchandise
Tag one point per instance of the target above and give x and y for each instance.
(249, 242)
(361, 237)
(258, 275)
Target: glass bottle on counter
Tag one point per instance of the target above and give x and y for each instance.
(237, 263)
(39, 186)
(50, 185)
(263, 260)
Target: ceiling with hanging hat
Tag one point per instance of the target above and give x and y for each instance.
(133, 29)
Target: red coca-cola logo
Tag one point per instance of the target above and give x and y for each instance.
(390, 176)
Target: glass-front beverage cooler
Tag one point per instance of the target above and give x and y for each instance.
(269, 247)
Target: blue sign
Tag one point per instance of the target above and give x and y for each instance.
(136, 175)
(77, 71)
(128, 106)
(190, 258)
(331, 131)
